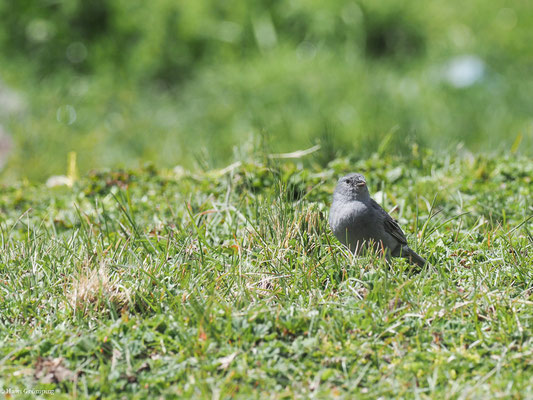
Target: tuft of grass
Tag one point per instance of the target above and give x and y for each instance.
(90, 287)
(229, 283)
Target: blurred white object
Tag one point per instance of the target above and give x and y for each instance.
(58, 180)
(464, 71)
(5, 146)
(11, 102)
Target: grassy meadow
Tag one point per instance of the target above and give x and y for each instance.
(177, 284)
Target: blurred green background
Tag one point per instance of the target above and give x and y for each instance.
(122, 82)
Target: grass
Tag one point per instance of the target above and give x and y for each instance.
(228, 283)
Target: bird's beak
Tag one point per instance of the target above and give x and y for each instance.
(360, 184)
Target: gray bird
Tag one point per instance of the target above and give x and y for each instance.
(359, 222)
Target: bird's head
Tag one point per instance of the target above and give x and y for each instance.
(351, 187)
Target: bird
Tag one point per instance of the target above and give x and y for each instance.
(358, 222)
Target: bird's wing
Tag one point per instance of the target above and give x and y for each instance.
(390, 224)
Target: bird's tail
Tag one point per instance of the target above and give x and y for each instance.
(412, 257)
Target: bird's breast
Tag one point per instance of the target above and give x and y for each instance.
(351, 222)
